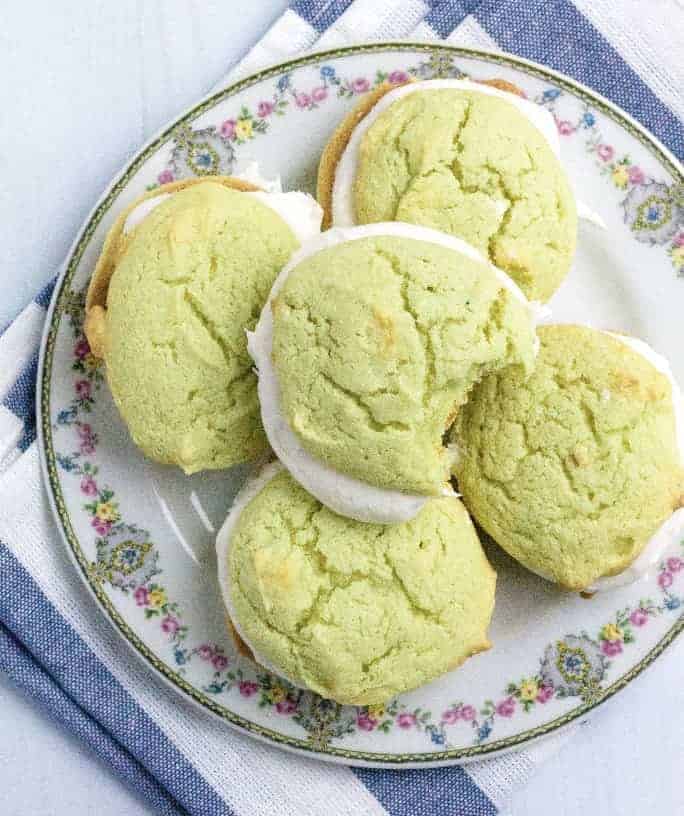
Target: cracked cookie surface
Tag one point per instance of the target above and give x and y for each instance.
(473, 166)
(376, 344)
(194, 275)
(358, 612)
(573, 470)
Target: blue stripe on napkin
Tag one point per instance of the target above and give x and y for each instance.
(45, 295)
(445, 16)
(61, 653)
(427, 791)
(555, 33)
(320, 15)
(21, 400)
(20, 666)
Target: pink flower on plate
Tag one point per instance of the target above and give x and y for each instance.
(302, 100)
(366, 722)
(605, 152)
(83, 389)
(665, 580)
(165, 177)
(170, 625)
(360, 85)
(228, 129)
(611, 647)
(406, 720)
(101, 527)
(506, 708)
(679, 239)
(142, 596)
(319, 94)
(636, 175)
(398, 76)
(565, 128)
(88, 486)
(82, 348)
(248, 687)
(451, 715)
(219, 662)
(639, 617)
(544, 694)
(674, 564)
(205, 651)
(265, 109)
(467, 713)
(286, 706)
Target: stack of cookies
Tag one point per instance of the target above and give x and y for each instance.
(394, 365)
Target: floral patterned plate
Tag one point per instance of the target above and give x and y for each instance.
(142, 535)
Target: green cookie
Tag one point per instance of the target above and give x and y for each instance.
(194, 275)
(357, 612)
(471, 165)
(377, 342)
(572, 470)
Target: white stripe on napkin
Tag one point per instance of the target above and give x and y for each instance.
(470, 33)
(641, 33)
(368, 20)
(254, 778)
(288, 37)
(18, 344)
(11, 431)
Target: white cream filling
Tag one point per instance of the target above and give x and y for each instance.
(341, 493)
(250, 490)
(300, 211)
(345, 172)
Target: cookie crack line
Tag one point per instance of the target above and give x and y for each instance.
(357, 400)
(430, 374)
(209, 325)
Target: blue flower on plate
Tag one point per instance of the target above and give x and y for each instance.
(283, 83)
(437, 736)
(327, 72)
(551, 93)
(484, 731)
(672, 602)
(588, 120)
(65, 416)
(653, 212)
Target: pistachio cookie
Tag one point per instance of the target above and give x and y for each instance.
(475, 161)
(355, 612)
(184, 271)
(370, 343)
(577, 470)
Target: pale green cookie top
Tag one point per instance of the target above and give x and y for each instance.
(573, 470)
(195, 273)
(471, 165)
(376, 343)
(358, 612)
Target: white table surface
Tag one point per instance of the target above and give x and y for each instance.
(83, 85)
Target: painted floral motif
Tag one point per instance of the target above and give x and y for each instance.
(127, 559)
(653, 209)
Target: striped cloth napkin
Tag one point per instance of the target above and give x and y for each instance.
(56, 644)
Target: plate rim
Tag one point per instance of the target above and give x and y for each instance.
(143, 652)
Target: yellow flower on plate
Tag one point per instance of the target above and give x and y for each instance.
(677, 255)
(376, 711)
(620, 176)
(278, 694)
(611, 632)
(91, 362)
(243, 129)
(106, 511)
(529, 690)
(157, 597)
